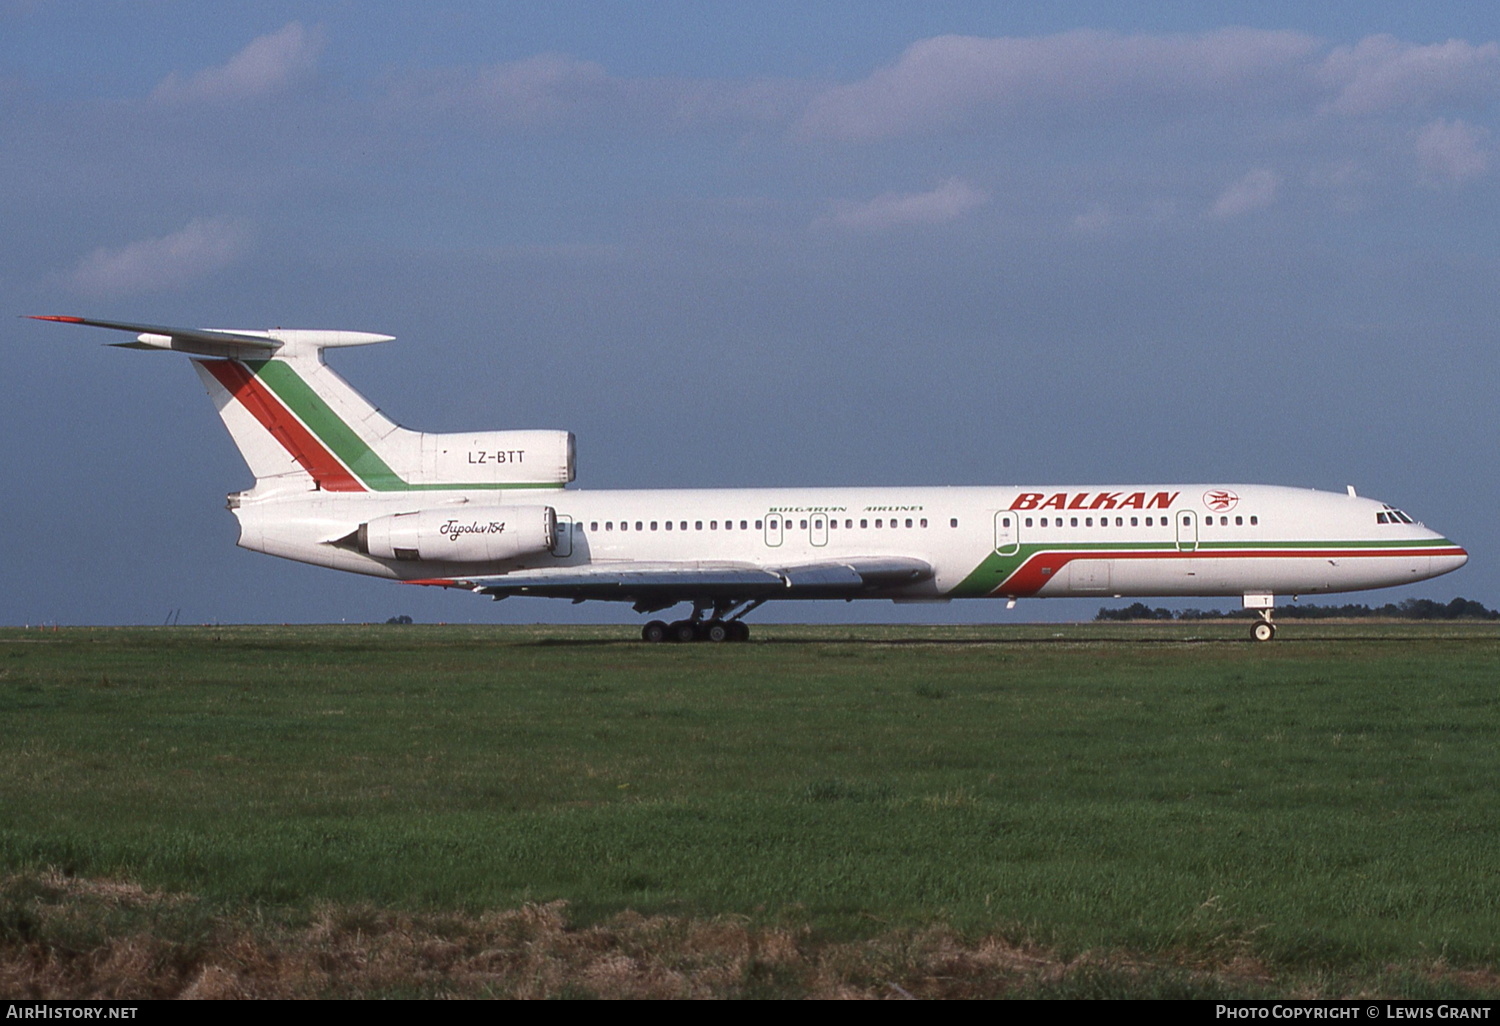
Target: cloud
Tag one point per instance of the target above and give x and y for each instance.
(946, 203)
(947, 79)
(269, 65)
(1452, 151)
(1098, 218)
(1382, 73)
(206, 245)
(1256, 190)
(556, 89)
(540, 88)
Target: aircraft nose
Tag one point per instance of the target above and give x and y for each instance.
(1450, 559)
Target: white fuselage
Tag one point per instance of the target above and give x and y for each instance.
(1133, 540)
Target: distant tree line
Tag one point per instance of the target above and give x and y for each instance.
(1410, 609)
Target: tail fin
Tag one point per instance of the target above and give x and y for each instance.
(297, 422)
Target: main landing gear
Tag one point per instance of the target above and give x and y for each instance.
(715, 628)
(703, 630)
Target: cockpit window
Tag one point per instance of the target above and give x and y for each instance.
(1392, 515)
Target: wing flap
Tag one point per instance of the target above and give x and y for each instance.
(861, 571)
(632, 581)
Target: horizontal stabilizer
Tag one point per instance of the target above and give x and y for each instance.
(230, 344)
(198, 341)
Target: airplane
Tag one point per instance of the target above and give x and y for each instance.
(339, 485)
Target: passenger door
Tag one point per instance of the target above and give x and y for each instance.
(775, 525)
(1187, 530)
(1007, 532)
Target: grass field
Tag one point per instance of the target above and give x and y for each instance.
(1125, 809)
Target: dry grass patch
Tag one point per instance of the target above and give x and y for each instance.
(62, 937)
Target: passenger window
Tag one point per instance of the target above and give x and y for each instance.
(653, 525)
(924, 521)
(669, 525)
(697, 525)
(804, 525)
(594, 525)
(953, 522)
(638, 525)
(1135, 521)
(758, 524)
(1072, 521)
(1239, 521)
(1254, 521)
(713, 525)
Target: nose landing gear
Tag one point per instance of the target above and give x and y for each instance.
(1263, 604)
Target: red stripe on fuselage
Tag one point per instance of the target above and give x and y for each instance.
(263, 405)
(1029, 578)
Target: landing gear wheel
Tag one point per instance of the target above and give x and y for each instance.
(1263, 631)
(655, 632)
(684, 631)
(718, 631)
(739, 630)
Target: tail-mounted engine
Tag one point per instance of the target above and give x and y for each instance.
(465, 535)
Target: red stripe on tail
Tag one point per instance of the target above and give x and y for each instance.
(313, 456)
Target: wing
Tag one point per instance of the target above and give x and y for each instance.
(662, 584)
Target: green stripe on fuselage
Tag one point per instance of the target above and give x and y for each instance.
(363, 462)
(996, 569)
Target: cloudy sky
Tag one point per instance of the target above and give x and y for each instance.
(765, 243)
